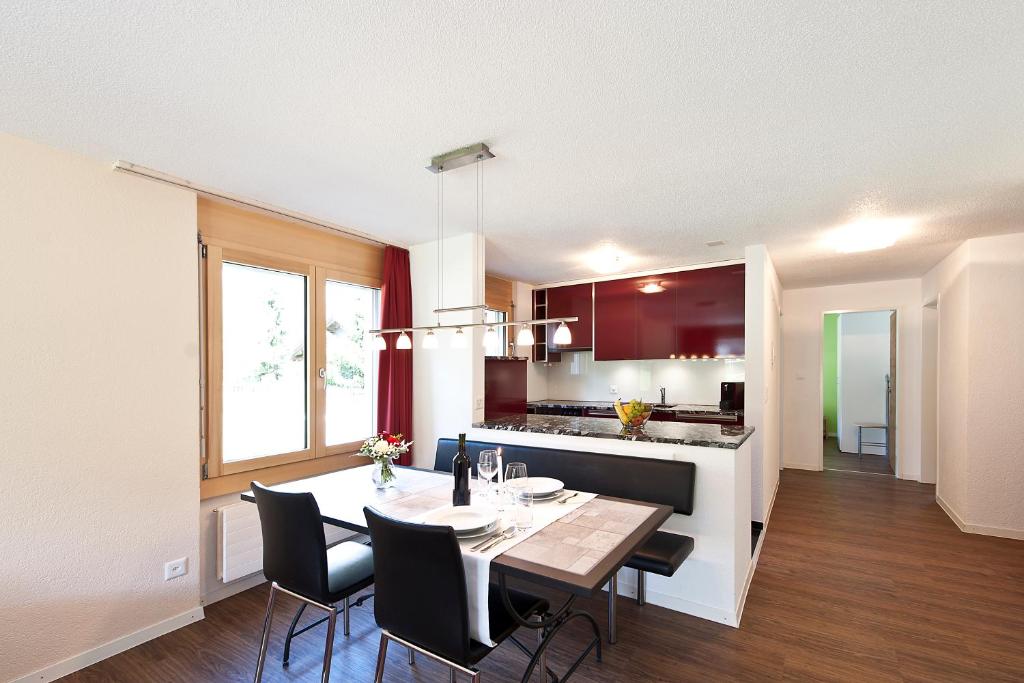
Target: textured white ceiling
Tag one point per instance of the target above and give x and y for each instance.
(659, 126)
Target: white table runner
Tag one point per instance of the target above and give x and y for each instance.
(415, 506)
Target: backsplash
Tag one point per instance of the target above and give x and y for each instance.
(579, 377)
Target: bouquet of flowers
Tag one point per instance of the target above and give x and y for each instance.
(383, 449)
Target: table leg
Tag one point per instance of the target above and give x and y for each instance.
(550, 625)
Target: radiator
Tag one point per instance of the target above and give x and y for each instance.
(240, 541)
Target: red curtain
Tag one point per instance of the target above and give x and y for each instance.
(394, 391)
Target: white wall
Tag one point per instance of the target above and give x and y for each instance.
(536, 373)
(802, 329)
(863, 361)
(99, 409)
(980, 379)
(948, 280)
(929, 390)
(763, 373)
(579, 377)
(448, 384)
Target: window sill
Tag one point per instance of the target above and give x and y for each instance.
(236, 483)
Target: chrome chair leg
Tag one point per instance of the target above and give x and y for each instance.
(348, 608)
(329, 647)
(451, 675)
(613, 592)
(412, 656)
(265, 641)
(641, 587)
(382, 655)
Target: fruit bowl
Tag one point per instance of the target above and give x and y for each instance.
(635, 414)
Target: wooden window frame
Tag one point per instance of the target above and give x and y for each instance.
(234, 235)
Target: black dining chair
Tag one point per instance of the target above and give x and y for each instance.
(420, 596)
(297, 561)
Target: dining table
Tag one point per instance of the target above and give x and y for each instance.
(574, 545)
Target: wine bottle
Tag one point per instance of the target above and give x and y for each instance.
(460, 468)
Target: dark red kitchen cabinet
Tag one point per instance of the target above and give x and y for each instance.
(572, 300)
(504, 387)
(656, 316)
(615, 322)
(710, 312)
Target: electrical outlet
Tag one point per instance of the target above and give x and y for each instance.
(612, 389)
(479, 404)
(175, 568)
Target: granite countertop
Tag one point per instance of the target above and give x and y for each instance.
(688, 408)
(681, 433)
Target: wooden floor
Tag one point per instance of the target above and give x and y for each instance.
(860, 579)
(834, 459)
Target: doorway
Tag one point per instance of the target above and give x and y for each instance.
(859, 392)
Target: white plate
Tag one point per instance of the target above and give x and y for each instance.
(477, 533)
(550, 496)
(463, 519)
(544, 486)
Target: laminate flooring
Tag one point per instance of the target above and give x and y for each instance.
(859, 579)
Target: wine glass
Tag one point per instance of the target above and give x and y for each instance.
(487, 468)
(515, 479)
(515, 470)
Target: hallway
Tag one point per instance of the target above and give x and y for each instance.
(860, 579)
(834, 459)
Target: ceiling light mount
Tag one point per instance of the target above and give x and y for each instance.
(457, 158)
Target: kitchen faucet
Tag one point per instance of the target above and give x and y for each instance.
(662, 389)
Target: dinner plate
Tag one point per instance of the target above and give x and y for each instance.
(544, 486)
(549, 496)
(477, 533)
(464, 519)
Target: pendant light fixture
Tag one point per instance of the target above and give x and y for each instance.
(525, 336)
(490, 336)
(563, 335)
(459, 339)
(473, 154)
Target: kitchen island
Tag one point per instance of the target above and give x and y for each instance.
(712, 583)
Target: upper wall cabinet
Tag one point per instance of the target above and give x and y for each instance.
(572, 300)
(656, 315)
(692, 313)
(709, 312)
(615, 320)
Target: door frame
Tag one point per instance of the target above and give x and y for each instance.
(894, 360)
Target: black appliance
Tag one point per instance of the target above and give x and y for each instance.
(732, 396)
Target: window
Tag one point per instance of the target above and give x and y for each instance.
(289, 372)
(496, 345)
(351, 369)
(265, 373)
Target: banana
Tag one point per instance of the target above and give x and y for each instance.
(621, 412)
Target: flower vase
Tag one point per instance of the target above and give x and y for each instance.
(383, 474)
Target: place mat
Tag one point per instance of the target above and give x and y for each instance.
(579, 540)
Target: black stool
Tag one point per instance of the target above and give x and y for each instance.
(662, 554)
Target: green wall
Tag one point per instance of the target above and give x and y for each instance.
(829, 368)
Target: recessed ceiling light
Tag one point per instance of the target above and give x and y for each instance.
(608, 259)
(714, 243)
(652, 288)
(869, 234)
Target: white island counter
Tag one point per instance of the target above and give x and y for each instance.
(712, 583)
